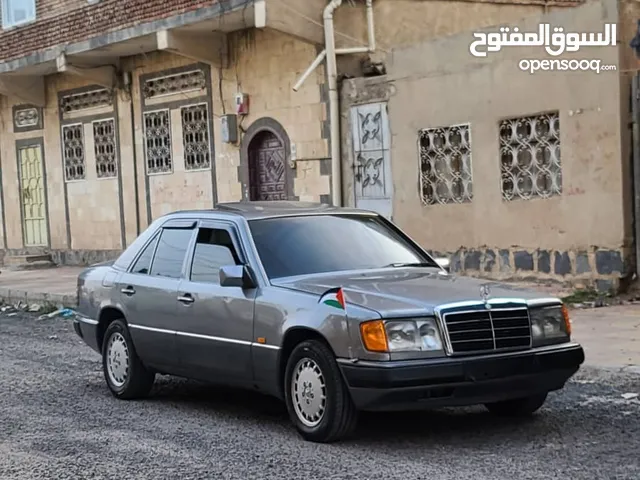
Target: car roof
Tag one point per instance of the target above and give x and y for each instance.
(270, 209)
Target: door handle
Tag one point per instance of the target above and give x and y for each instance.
(186, 298)
(128, 291)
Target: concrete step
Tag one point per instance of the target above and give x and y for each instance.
(28, 262)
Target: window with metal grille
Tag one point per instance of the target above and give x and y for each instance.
(530, 157)
(445, 165)
(177, 83)
(104, 139)
(74, 155)
(157, 133)
(195, 136)
(85, 100)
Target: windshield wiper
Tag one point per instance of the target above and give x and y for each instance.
(411, 264)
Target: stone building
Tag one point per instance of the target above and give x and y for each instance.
(114, 112)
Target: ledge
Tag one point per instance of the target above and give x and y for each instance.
(11, 296)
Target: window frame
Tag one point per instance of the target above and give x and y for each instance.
(116, 147)
(190, 246)
(5, 9)
(231, 229)
(145, 139)
(172, 224)
(209, 136)
(428, 258)
(63, 128)
(451, 200)
(154, 238)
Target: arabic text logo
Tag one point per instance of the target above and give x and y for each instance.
(555, 43)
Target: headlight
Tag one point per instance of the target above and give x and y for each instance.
(420, 335)
(549, 323)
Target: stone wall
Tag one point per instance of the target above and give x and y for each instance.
(601, 269)
(581, 234)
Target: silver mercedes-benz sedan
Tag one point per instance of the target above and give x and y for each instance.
(332, 310)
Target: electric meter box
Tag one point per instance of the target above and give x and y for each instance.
(229, 128)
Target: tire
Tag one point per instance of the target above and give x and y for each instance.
(519, 407)
(126, 376)
(312, 363)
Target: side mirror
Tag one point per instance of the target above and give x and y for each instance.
(236, 276)
(444, 263)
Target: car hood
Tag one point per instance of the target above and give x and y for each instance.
(405, 291)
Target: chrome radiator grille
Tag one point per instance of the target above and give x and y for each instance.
(488, 330)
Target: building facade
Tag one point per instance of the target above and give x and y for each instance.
(113, 113)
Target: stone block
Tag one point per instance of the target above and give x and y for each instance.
(561, 263)
(608, 262)
(489, 260)
(523, 260)
(325, 167)
(456, 261)
(544, 261)
(472, 260)
(605, 286)
(582, 263)
(505, 261)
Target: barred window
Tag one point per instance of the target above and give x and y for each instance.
(157, 133)
(195, 136)
(74, 156)
(445, 165)
(177, 83)
(104, 139)
(530, 157)
(85, 100)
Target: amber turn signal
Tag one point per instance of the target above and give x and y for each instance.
(567, 320)
(374, 336)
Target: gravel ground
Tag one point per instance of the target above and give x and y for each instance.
(58, 421)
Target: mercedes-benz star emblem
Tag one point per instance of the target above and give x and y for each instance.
(485, 292)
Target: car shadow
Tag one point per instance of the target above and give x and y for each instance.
(443, 426)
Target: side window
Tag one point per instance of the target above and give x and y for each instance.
(171, 252)
(143, 263)
(214, 249)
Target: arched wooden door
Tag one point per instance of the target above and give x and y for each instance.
(267, 167)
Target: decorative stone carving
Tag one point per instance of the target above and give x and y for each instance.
(26, 117)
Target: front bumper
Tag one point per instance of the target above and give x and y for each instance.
(408, 385)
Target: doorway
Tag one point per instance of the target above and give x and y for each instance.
(32, 194)
(267, 167)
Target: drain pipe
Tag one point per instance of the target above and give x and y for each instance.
(334, 113)
(329, 53)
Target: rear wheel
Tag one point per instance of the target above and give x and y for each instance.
(126, 376)
(519, 407)
(317, 398)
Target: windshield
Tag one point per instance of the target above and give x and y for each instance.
(290, 246)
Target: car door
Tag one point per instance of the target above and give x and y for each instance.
(216, 322)
(149, 292)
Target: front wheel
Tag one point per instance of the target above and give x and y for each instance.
(126, 376)
(519, 407)
(317, 398)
